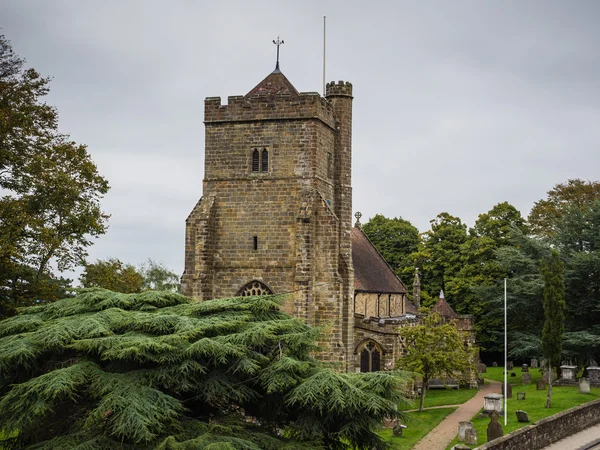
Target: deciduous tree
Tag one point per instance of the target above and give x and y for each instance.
(562, 198)
(157, 277)
(396, 239)
(112, 274)
(435, 348)
(51, 189)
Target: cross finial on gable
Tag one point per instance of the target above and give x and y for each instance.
(277, 43)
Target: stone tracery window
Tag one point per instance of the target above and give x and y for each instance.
(260, 160)
(370, 356)
(253, 289)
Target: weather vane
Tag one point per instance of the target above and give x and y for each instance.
(277, 43)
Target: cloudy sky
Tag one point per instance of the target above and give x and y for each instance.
(458, 105)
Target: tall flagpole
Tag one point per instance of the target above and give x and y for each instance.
(505, 361)
(324, 28)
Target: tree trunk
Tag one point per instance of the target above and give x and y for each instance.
(423, 390)
(549, 397)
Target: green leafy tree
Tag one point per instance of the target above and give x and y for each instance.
(492, 231)
(156, 370)
(554, 312)
(562, 200)
(578, 239)
(51, 190)
(157, 277)
(520, 262)
(396, 239)
(114, 275)
(435, 348)
(440, 256)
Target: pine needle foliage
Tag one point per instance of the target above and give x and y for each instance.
(107, 370)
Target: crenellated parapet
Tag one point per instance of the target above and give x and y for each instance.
(239, 108)
(338, 89)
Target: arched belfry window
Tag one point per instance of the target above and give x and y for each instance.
(253, 289)
(264, 160)
(370, 356)
(255, 160)
(260, 160)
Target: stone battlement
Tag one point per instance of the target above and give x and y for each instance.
(307, 105)
(341, 88)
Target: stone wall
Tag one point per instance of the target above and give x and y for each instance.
(549, 430)
(383, 332)
(288, 226)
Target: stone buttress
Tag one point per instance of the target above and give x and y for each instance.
(276, 211)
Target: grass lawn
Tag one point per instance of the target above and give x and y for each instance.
(563, 397)
(440, 397)
(418, 425)
(497, 373)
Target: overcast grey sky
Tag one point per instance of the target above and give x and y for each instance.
(458, 105)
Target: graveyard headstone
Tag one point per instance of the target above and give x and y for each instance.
(494, 429)
(522, 416)
(508, 390)
(584, 386)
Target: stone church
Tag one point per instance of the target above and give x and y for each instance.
(276, 218)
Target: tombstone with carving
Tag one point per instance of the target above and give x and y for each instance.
(568, 375)
(526, 378)
(534, 363)
(494, 429)
(467, 433)
(540, 385)
(493, 402)
(593, 373)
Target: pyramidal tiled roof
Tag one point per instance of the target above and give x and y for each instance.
(275, 84)
(443, 308)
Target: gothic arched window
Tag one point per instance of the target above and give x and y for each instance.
(255, 161)
(370, 357)
(264, 160)
(253, 289)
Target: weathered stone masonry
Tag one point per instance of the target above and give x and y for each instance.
(287, 227)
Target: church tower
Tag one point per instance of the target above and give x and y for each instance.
(276, 211)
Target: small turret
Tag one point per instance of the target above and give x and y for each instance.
(417, 289)
(341, 88)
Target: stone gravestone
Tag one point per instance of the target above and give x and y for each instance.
(546, 376)
(534, 363)
(481, 367)
(492, 402)
(508, 389)
(524, 368)
(471, 436)
(584, 386)
(462, 429)
(522, 416)
(467, 433)
(568, 373)
(494, 364)
(540, 385)
(526, 378)
(494, 429)
(594, 374)
(510, 365)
